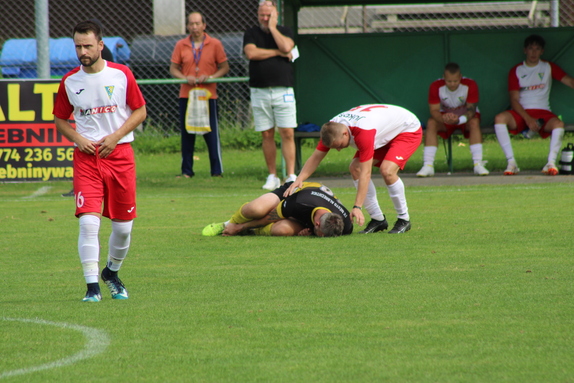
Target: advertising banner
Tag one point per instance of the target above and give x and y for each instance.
(31, 149)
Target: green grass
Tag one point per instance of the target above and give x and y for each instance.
(480, 290)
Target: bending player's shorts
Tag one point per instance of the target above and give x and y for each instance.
(273, 107)
(538, 114)
(451, 128)
(398, 150)
(110, 181)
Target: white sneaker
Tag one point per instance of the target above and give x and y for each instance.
(291, 178)
(426, 171)
(480, 170)
(511, 169)
(550, 169)
(272, 183)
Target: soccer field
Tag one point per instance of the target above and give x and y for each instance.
(480, 290)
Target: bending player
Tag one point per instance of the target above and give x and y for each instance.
(384, 136)
(312, 209)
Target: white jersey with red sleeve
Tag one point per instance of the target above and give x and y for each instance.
(373, 126)
(454, 101)
(100, 102)
(534, 83)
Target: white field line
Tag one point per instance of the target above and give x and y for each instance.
(97, 342)
(43, 190)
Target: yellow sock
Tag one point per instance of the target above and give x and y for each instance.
(237, 217)
(264, 231)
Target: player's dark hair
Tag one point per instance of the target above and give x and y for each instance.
(452, 68)
(87, 26)
(534, 40)
(331, 225)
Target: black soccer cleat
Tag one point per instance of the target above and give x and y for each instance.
(375, 225)
(401, 226)
(117, 288)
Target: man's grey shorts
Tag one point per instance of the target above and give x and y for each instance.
(273, 107)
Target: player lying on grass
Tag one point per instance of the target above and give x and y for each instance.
(312, 209)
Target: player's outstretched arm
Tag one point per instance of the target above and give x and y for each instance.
(568, 81)
(308, 169)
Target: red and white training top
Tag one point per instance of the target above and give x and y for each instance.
(454, 101)
(373, 126)
(100, 102)
(534, 83)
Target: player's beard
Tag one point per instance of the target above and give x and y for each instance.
(88, 61)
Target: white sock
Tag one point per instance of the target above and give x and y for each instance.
(397, 194)
(476, 153)
(119, 243)
(555, 144)
(503, 137)
(89, 247)
(371, 204)
(429, 154)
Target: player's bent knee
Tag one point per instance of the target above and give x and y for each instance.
(282, 229)
(502, 118)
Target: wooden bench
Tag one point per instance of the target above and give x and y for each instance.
(300, 136)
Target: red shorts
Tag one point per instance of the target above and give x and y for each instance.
(110, 181)
(537, 114)
(451, 128)
(398, 150)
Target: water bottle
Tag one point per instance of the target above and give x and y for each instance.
(567, 159)
(528, 134)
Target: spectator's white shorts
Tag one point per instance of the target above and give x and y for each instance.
(273, 107)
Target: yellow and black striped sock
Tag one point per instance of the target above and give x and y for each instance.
(264, 231)
(238, 218)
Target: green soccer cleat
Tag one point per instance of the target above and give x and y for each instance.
(213, 229)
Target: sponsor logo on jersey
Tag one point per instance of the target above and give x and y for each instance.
(80, 91)
(400, 158)
(109, 91)
(533, 87)
(98, 110)
(351, 116)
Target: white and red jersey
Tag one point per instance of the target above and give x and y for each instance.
(454, 101)
(534, 83)
(100, 102)
(373, 126)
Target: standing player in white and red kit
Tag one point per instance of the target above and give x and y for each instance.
(529, 85)
(107, 105)
(385, 136)
(453, 105)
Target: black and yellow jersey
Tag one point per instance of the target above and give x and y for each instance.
(302, 204)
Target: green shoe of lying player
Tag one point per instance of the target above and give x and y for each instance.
(213, 229)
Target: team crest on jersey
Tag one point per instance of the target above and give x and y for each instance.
(109, 91)
(461, 99)
(541, 75)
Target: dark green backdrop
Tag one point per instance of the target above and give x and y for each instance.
(338, 72)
